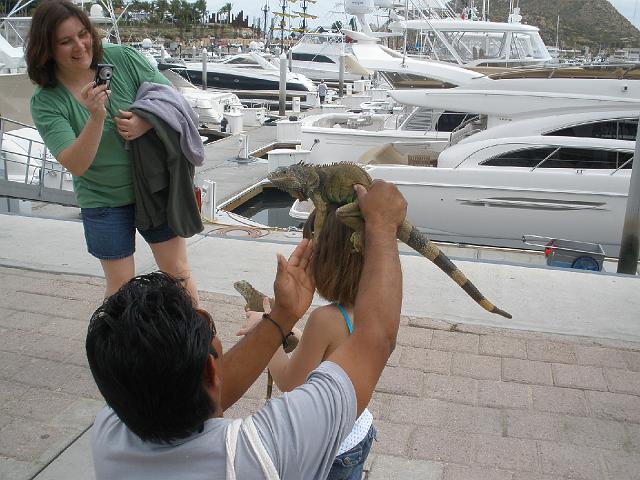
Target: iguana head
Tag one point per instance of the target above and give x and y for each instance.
(297, 180)
(242, 286)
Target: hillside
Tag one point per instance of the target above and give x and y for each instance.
(593, 23)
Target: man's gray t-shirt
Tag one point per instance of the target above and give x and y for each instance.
(301, 430)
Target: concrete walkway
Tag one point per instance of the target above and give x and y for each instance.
(462, 397)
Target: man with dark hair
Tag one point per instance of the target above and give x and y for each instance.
(159, 364)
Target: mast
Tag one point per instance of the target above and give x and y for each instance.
(282, 23)
(404, 49)
(304, 18)
(265, 9)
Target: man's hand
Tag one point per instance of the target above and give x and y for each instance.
(294, 285)
(382, 206)
(252, 318)
(130, 126)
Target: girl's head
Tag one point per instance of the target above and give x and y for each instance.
(61, 36)
(336, 266)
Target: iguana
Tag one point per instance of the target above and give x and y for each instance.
(333, 184)
(254, 297)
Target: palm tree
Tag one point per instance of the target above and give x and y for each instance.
(226, 10)
(162, 7)
(200, 8)
(175, 9)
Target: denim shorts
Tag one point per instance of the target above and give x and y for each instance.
(110, 232)
(349, 465)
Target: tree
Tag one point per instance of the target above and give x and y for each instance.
(162, 8)
(176, 9)
(200, 8)
(226, 10)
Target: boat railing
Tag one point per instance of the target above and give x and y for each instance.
(628, 71)
(624, 165)
(28, 171)
(421, 8)
(468, 127)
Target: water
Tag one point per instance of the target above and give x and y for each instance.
(271, 207)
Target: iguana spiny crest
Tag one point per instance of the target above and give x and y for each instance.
(333, 184)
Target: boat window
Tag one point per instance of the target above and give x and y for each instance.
(311, 57)
(525, 46)
(410, 80)
(469, 46)
(449, 121)
(242, 61)
(520, 158)
(622, 129)
(565, 157)
(587, 158)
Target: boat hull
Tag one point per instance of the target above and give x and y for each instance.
(235, 81)
(496, 207)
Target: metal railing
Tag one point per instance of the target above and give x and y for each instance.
(29, 171)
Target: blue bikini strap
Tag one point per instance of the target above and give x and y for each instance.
(346, 317)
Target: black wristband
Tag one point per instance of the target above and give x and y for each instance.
(285, 344)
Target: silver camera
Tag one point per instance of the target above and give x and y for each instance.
(104, 72)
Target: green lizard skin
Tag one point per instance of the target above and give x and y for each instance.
(333, 184)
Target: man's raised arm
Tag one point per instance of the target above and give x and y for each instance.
(377, 311)
(294, 289)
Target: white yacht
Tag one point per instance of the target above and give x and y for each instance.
(442, 103)
(317, 56)
(492, 192)
(465, 39)
(477, 43)
(246, 73)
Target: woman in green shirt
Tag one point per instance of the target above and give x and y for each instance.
(85, 127)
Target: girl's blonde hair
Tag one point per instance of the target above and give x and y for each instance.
(336, 265)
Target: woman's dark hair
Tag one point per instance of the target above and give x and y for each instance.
(147, 349)
(336, 265)
(41, 39)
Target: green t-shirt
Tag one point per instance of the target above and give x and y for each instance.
(60, 118)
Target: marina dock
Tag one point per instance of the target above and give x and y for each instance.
(551, 394)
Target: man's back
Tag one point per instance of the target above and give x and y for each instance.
(301, 432)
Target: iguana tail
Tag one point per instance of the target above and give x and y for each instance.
(421, 244)
(269, 385)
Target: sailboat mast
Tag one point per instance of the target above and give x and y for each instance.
(265, 9)
(406, 17)
(282, 24)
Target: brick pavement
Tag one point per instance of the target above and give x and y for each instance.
(455, 402)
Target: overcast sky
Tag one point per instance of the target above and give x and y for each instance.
(327, 9)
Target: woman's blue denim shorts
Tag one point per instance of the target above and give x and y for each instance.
(349, 465)
(110, 232)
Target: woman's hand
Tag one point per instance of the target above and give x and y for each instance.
(252, 318)
(130, 126)
(95, 100)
